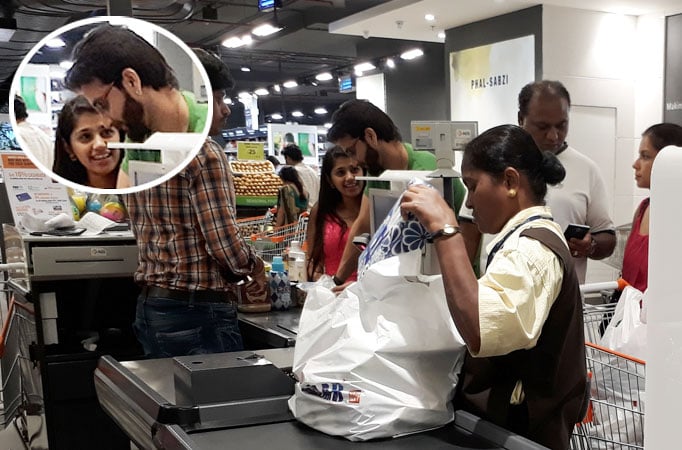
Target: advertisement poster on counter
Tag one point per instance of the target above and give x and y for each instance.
(29, 190)
(485, 81)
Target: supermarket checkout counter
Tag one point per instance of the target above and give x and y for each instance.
(205, 401)
(73, 300)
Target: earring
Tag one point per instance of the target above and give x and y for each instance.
(138, 92)
(511, 193)
(72, 157)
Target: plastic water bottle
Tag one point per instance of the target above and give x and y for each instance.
(280, 290)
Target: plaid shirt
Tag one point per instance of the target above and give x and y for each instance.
(186, 231)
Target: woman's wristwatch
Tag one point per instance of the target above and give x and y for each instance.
(337, 281)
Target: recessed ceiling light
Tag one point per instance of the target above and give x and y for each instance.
(321, 110)
(246, 69)
(265, 30)
(297, 114)
(411, 54)
(430, 17)
(441, 34)
(276, 116)
(290, 84)
(324, 76)
(261, 91)
(277, 88)
(66, 65)
(233, 42)
(244, 94)
(56, 43)
(365, 66)
(328, 125)
(227, 100)
(390, 63)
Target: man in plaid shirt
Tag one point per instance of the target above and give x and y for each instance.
(190, 249)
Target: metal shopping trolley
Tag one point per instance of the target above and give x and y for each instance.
(258, 224)
(274, 242)
(615, 417)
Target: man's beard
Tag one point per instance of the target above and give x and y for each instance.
(372, 162)
(133, 118)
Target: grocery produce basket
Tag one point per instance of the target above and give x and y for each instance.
(615, 417)
(274, 242)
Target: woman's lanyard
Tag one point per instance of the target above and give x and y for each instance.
(500, 243)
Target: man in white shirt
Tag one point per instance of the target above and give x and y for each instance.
(311, 180)
(33, 140)
(580, 198)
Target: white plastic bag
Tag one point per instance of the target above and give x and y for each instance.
(381, 359)
(626, 333)
(376, 362)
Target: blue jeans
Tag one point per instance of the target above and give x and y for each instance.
(167, 327)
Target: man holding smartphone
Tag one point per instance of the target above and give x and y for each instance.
(580, 199)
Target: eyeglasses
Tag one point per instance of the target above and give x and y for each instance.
(351, 150)
(102, 102)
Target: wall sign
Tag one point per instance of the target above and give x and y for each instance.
(485, 81)
(672, 94)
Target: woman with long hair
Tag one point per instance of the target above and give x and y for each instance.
(81, 154)
(292, 199)
(334, 213)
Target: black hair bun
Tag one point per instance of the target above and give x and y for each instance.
(552, 168)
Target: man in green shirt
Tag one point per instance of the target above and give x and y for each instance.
(129, 80)
(369, 134)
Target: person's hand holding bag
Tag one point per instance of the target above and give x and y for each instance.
(428, 206)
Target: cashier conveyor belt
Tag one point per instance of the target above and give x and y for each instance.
(140, 397)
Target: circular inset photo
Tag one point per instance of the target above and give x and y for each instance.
(111, 105)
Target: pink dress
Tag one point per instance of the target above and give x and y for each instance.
(636, 255)
(334, 243)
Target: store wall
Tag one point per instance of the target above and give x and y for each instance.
(612, 66)
(416, 90)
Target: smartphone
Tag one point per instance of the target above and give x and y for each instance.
(576, 231)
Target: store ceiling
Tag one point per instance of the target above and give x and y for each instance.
(318, 35)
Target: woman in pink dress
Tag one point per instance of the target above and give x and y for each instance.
(636, 255)
(334, 213)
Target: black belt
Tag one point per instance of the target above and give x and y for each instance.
(189, 296)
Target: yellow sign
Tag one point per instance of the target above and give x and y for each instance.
(251, 150)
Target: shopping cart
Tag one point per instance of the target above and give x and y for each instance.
(254, 225)
(615, 417)
(274, 242)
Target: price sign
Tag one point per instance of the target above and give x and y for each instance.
(251, 150)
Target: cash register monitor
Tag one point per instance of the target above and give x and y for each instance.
(380, 203)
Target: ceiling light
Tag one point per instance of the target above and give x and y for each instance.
(430, 17)
(261, 91)
(441, 34)
(66, 65)
(411, 54)
(247, 39)
(7, 28)
(324, 76)
(233, 42)
(246, 69)
(365, 66)
(290, 84)
(265, 30)
(321, 110)
(328, 125)
(390, 63)
(277, 88)
(297, 114)
(358, 73)
(56, 43)
(244, 94)
(276, 116)
(227, 100)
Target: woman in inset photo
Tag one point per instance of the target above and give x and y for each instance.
(81, 154)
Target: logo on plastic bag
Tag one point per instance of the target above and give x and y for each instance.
(332, 392)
